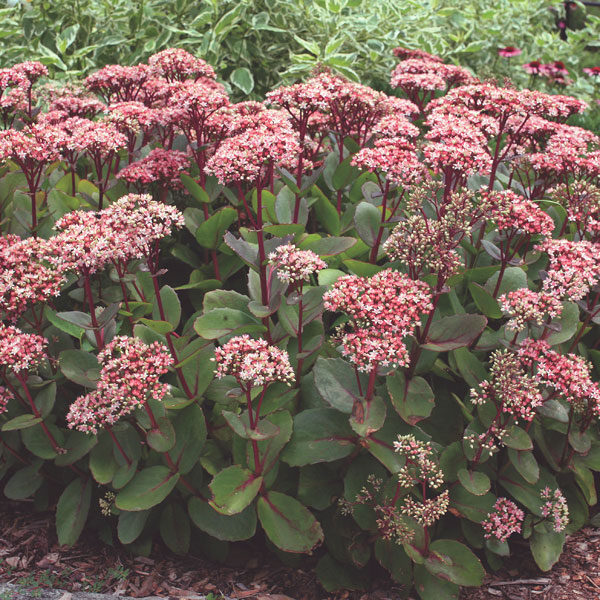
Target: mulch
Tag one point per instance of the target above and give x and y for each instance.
(30, 556)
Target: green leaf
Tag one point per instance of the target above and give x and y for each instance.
(451, 560)
(80, 367)
(391, 556)
(334, 575)
(413, 400)
(525, 463)
(367, 220)
(72, 510)
(175, 528)
(196, 191)
(161, 327)
(329, 246)
(190, 427)
(234, 528)
(517, 438)
(171, 306)
(485, 302)
(568, 323)
(320, 435)
(514, 278)
(131, 525)
(524, 492)
(21, 422)
(368, 417)
(469, 506)
(326, 214)
(433, 588)
(233, 489)
(240, 424)
(65, 325)
(77, 445)
(161, 439)
(453, 332)
(288, 523)
(37, 442)
(475, 482)
(243, 79)
(362, 269)
(210, 233)
(219, 322)
(102, 463)
(148, 488)
(546, 548)
(24, 482)
(336, 382)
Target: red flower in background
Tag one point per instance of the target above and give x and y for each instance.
(509, 51)
(593, 71)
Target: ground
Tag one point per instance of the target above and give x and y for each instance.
(30, 557)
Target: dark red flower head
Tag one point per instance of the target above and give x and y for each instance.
(593, 71)
(535, 67)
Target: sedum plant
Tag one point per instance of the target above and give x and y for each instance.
(345, 324)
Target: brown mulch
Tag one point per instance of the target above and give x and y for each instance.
(30, 556)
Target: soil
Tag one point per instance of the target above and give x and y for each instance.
(30, 557)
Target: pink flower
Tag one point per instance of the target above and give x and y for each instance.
(382, 309)
(117, 83)
(514, 212)
(509, 51)
(406, 53)
(555, 508)
(526, 306)
(20, 351)
(504, 521)
(160, 166)
(5, 397)
(566, 374)
(31, 70)
(175, 64)
(293, 265)
(253, 362)
(129, 377)
(535, 67)
(592, 71)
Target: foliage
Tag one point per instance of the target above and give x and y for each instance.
(282, 40)
(352, 324)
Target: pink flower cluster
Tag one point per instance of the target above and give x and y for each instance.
(175, 64)
(253, 362)
(27, 274)
(129, 377)
(5, 397)
(506, 519)
(129, 228)
(160, 166)
(512, 211)
(383, 309)
(568, 375)
(525, 306)
(509, 387)
(555, 508)
(573, 269)
(293, 265)
(20, 351)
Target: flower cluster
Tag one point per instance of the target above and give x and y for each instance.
(525, 306)
(253, 362)
(512, 390)
(129, 377)
(160, 166)
(27, 275)
(175, 64)
(512, 211)
(5, 397)
(504, 521)
(555, 508)
(568, 375)
(294, 265)
(20, 351)
(574, 267)
(129, 228)
(384, 309)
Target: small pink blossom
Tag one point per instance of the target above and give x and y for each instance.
(555, 508)
(526, 306)
(509, 51)
(20, 351)
(175, 64)
(506, 519)
(293, 265)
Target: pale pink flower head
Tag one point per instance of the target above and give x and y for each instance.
(592, 71)
(510, 388)
(394, 126)
(85, 107)
(253, 362)
(97, 138)
(31, 70)
(396, 157)
(118, 83)
(406, 53)
(293, 265)
(382, 309)
(27, 275)
(32, 146)
(568, 375)
(129, 377)
(175, 64)
(525, 306)
(514, 212)
(555, 508)
(20, 351)
(160, 166)
(196, 101)
(535, 67)
(132, 116)
(509, 51)
(5, 397)
(573, 269)
(506, 519)
(302, 99)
